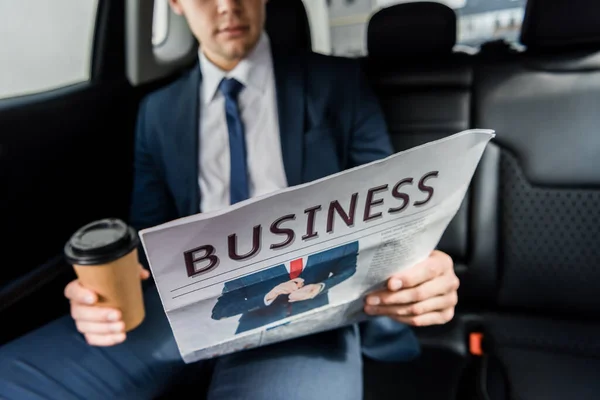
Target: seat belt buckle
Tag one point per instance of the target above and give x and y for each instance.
(476, 344)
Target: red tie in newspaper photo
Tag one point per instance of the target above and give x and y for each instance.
(296, 267)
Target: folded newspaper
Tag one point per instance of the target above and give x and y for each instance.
(301, 260)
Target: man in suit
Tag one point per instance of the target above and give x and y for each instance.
(287, 289)
(244, 121)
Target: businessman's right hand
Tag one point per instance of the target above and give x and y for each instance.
(285, 288)
(101, 326)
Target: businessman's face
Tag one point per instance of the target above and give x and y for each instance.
(226, 29)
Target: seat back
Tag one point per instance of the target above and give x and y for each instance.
(543, 105)
(538, 210)
(287, 25)
(424, 88)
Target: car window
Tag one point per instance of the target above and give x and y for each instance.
(45, 44)
(478, 21)
(481, 21)
(160, 25)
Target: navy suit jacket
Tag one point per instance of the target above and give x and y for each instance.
(245, 295)
(329, 120)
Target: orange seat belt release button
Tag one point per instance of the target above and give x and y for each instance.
(475, 343)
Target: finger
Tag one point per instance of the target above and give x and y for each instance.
(87, 327)
(105, 340)
(374, 298)
(435, 265)
(293, 299)
(94, 313)
(285, 290)
(434, 304)
(78, 294)
(299, 282)
(144, 273)
(442, 285)
(433, 318)
(289, 287)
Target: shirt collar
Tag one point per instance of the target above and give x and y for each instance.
(252, 71)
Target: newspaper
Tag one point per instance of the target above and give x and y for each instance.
(301, 260)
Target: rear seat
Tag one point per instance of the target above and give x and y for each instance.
(527, 240)
(539, 235)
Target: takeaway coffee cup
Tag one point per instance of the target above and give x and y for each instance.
(104, 256)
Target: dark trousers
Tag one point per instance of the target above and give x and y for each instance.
(55, 362)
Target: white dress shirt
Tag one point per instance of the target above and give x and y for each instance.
(258, 107)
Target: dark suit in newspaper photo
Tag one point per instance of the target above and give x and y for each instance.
(287, 289)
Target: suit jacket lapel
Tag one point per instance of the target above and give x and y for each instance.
(187, 141)
(289, 84)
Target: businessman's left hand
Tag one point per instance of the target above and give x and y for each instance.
(422, 295)
(305, 293)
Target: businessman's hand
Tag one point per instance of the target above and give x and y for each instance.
(422, 295)
(305, 293)
(101, 326)
(284, 288)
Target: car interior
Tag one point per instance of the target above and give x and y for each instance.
(525, 242)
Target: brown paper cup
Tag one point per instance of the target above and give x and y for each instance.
(105, 258)
(118, 285)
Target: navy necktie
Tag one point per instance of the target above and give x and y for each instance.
(238, 184)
